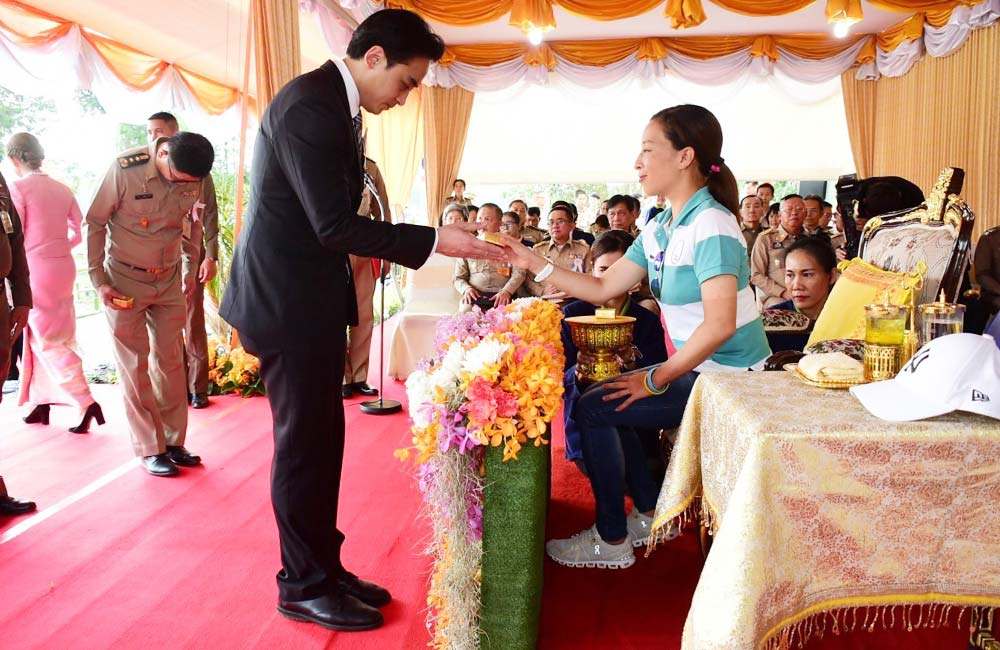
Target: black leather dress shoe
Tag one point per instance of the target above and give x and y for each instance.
(339, 612)
(183, 457)
(347, 391)
(367, 592)
(11, 506)
(199, 402)
(364, 389)
(160, 465)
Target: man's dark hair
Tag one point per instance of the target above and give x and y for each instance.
(631, 203)
(511, 205)
(613, 241)
(473, 208)
(826, 204)
(814, 197)
(402, 34)
(602, 221)
(563, 206)
(791, 196)
(191, 153)
(534, 211)
(456, 182)
(767, 185)
(163, 116)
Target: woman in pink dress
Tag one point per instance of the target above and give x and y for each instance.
(52, 371)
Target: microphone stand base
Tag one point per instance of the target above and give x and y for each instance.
(381, 407)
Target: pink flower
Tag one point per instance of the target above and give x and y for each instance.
(486, 402)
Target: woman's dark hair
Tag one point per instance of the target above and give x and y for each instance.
(602, 221)
(694, 126)
(612, 241)
(191, 153)
(773, 209)
(402, 34)
(26, 148)
(819, 248)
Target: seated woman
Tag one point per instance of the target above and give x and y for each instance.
(647, 337)
(810, 271)
(695, 257)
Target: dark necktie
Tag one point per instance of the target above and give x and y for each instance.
(360, 144)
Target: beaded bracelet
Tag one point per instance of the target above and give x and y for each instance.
(650, 384)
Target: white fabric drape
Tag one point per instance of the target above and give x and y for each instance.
(72, 62)
(936, 41)
(336, 32)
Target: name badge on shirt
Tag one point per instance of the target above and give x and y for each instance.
(578, 264)
(144, 195)
(196, 210)
(8, 223)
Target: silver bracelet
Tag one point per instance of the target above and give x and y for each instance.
(544, 274)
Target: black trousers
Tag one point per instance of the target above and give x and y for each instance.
(303, 385)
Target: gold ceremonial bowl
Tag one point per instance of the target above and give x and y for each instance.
(604, 344)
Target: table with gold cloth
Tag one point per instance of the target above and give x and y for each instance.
(820, 511)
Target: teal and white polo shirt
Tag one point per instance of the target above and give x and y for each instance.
(703, 242)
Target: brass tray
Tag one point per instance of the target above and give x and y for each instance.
(793, 368)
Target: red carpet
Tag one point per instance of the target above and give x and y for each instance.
(140, 562)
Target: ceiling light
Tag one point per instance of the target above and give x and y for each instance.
(841, 28)
(535, 36)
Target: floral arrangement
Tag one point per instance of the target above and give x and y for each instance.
(232, 370)
(495, 380)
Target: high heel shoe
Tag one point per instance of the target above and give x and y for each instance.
(39, 414)
(93, 412)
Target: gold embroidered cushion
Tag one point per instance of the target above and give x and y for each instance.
(860, 284)
(901, 248)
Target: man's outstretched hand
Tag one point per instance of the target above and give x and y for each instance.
(459, 240)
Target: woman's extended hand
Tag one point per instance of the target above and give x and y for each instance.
(631, 386)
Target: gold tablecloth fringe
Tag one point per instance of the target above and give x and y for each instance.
(694, 509)
(899, 611)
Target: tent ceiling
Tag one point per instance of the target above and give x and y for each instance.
(204, 36)
(570, 26)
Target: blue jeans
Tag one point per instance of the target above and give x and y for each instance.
(613, 452)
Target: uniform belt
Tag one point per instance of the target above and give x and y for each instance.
(155, 270)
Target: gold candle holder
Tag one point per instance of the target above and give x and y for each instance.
(604, 345)
(885, 339)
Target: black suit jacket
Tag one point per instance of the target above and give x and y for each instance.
(290, 280)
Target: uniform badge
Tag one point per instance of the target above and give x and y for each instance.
(143, 196)
(578, 264)
(8, 223)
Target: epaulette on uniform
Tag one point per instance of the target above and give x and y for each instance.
(133, 160)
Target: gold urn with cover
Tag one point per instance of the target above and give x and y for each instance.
(604, 341)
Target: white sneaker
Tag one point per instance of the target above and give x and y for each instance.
(587, 549)
(640, 527)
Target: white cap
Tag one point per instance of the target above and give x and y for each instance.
(958, 372)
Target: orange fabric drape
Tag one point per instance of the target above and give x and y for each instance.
(528, 14)
(30, 27)
(685, 13)
(456, 12)
(942, 113)
(763, 7)
(609, 9)
(276, 46)
(446, 124)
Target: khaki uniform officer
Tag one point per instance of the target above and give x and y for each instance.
(201, 242)
(359, 337)
(573, 255)
(487, 279)
(135, 229)
(767, 265)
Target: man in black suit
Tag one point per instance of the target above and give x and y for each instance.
(291, 294)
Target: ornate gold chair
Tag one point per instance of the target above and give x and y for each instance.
(938, 233)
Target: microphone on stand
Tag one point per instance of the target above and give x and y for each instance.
(380, 406)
